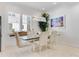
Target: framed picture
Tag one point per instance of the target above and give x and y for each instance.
(57, 22)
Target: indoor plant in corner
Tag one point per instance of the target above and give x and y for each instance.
(44, 25)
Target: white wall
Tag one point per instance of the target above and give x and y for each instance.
(71, 29)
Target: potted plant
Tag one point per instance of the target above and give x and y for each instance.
(44, 25)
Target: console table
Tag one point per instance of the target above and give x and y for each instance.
(20, 33)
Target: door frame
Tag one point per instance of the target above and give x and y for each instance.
(0, 33)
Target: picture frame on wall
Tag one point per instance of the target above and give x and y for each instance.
(57, 22)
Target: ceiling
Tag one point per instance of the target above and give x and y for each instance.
(38, 6)
(45, 5)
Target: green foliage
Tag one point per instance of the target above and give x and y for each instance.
(44, 25)
(46, 16)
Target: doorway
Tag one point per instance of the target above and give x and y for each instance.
(0, 33)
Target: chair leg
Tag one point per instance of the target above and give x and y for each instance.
(40, 48)
(35, 47)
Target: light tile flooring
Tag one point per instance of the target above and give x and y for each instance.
(57, 51)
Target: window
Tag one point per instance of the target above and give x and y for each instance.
(18, 22)
(26, 22)
(14, 20)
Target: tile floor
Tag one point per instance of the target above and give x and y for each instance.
(57, 51)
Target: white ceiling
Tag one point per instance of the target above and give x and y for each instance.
(35, 7)
(38, 6)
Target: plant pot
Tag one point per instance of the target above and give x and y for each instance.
(43, 26)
